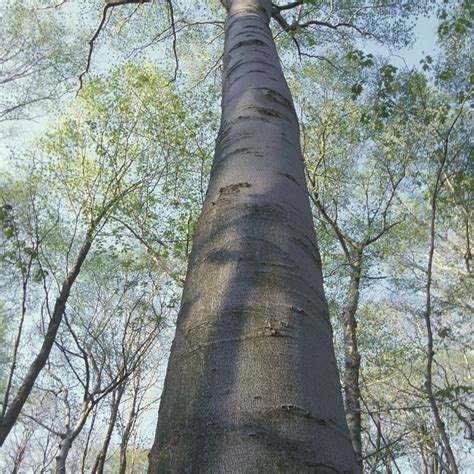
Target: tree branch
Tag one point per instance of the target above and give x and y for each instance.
(173, 27)
(108, 4)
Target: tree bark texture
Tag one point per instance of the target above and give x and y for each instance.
(252, 384)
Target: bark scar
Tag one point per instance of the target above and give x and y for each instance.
(303, 412)
(233, 188)
(297, 410)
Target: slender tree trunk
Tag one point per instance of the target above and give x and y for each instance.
(19, 333)
(451, 459)
(39, 362)
(64, 448)
(124, 443)
(68, 438)
(352, 360)
(252, 382)
(127, 432)
(88, 439)
(123, 449)
(100, 460)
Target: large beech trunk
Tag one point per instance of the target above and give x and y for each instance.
(252, 383)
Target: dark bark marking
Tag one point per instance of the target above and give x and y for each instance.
(249, 42)
(299, 411)
(247, 118)
(243, 62)
(265, 111)
(312, 251)
(233, 188)
(259, 71)
(224, 141)
(291, 178)
(278, 98)
(238, 151)
(297, 310)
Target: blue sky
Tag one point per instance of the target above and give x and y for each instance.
(425, 43)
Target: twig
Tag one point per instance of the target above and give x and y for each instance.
(173, 27)
(91, 46)
(108, 4)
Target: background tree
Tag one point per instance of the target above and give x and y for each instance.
(95, 162)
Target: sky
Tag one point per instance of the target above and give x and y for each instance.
(425, 43)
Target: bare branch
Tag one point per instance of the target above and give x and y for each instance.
(288, 6)
(46, 427)
(175, 52)
(108, 4)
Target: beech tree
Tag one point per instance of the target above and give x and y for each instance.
(252, 382)
(228, 319)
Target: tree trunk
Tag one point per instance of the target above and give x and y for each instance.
(123, 452)
(451, 459)
(127, 432)
(69, 435)
(252, 383)
(64, 448)
(352, 360)
(100, 460)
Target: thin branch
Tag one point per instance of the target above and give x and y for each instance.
(175, 52)
(321, 58)
(214, 67)
(91, 46)
(46, 427)
(328, 25)
(386, 446)
(108, 4)
(288, 6)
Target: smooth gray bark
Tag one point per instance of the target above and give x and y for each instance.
(61, 458)
(252, 382)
